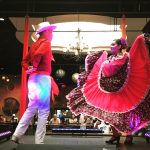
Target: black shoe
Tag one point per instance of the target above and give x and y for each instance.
(129, 140)
(113, 139)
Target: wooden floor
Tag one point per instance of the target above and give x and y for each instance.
(61, 142)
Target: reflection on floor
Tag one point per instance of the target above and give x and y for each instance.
(57, 142)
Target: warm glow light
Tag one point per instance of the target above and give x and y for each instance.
(2, 19)
(75, 77)
(3, 77)
(7, 80)
(60, 73)
(94, 34)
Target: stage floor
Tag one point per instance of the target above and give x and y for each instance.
(57, 142)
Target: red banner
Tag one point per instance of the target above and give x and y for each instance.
(23, 94)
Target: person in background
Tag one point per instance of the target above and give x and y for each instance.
(97, 124)
(37, 64)
(85, 121)
(2, 119)
(14, 118)
(73, 119)
(105, 127)
(62, 116)
(82, 121)
(55, 120)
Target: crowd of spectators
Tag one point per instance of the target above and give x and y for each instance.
(63, 119)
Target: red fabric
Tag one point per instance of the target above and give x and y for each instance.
(39, 56)
(23, 95)
(134, 90)
(55, 89)
(111, 68)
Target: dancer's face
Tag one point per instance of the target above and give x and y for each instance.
(115, 48)
(47, 34)
(147, 41)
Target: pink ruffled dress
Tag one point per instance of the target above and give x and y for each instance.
(115, 89)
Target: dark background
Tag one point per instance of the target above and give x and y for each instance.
(11, 48)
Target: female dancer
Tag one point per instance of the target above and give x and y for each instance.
(116, 89)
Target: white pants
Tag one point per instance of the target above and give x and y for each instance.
(39, 92)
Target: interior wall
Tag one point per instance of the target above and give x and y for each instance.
(11, 92)
(9, 95)
(134, 25)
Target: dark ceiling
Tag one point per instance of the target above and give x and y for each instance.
(36, 8)
(11, 48)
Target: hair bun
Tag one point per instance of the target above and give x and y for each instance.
(146, 28)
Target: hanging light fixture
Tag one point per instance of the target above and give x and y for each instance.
(75, 77)
(60, 73)
(79, 47)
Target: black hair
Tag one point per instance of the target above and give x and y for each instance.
(121, 42)
(146, 28)
(40, 33)
(128, 48)
(146, 31)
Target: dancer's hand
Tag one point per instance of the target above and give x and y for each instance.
(30, 69)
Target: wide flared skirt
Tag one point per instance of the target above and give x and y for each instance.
(128, 108)
(127, 122)
(130, 94)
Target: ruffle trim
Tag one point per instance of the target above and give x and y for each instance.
(123, 122)
(124, 100)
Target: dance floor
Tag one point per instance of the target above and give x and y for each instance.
(61, 142)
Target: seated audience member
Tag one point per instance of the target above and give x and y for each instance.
(73, 119)
(55, 120)
(104, 126)
(14, 119)
(97, 124)
(2, 119)
(89, 121)
(62, 116)
(85, 121)
(82, 121)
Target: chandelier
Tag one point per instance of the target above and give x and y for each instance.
(78, 48)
